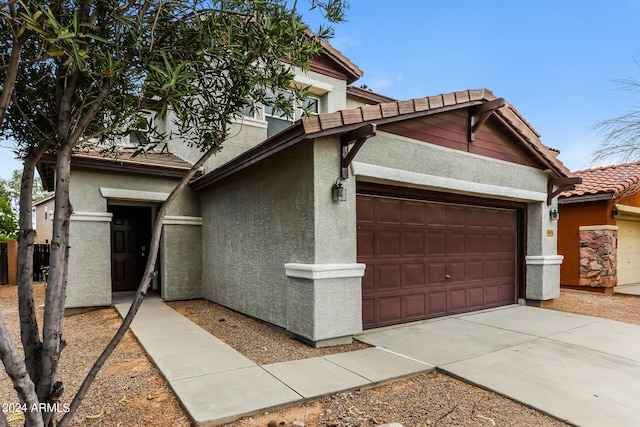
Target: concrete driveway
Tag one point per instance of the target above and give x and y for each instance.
(581, 369)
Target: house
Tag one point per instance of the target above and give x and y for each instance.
(43, 209)
(599, 229)
(373, 212)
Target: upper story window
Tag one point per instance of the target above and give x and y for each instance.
(278, 120)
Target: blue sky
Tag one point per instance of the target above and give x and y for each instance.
(555, 61)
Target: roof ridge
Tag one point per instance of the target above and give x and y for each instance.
(605, 167)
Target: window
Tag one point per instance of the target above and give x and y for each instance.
(278, 120)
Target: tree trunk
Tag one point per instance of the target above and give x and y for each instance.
(56, 286)
(142, 289)
(28, 322)
(19, 377)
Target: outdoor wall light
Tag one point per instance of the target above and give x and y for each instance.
(554, 215)
(615, 213)
(338, 192)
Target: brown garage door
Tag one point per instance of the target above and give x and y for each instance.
(427, 259)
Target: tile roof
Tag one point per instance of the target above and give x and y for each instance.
(615, 179)
(125, 156)
(399, 110)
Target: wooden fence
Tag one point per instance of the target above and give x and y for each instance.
(40, 262)
(4, 265)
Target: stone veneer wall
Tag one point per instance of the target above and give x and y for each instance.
(598, 256)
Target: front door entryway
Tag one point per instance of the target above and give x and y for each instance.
(130, 237)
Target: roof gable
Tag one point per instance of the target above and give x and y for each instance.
(611, 182)
(393, 112)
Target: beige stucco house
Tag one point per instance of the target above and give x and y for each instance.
(373, 212)
(43, 213)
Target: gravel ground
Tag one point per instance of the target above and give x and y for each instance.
(130, 392)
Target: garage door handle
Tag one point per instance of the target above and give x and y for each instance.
(447, 276)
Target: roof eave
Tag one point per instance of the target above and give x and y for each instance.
(585, 198)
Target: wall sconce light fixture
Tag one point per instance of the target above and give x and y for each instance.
(615, 213)
(554, 215)
(338, 192)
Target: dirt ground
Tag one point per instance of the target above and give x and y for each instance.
(130, 391)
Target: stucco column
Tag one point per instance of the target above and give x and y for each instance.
(542, 260)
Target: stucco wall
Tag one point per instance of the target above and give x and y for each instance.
(180, 260)
(572, 217)
(254, 223)
(89, 282)
(44, 222)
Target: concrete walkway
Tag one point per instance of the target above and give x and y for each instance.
(581, 369)
(216, 384)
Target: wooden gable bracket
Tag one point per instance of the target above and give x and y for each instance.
(479, 114)
(359, 135)
(563, 184)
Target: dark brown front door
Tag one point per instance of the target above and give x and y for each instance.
(130, 236)
(427, 259)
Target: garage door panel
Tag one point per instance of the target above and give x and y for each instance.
(456, 272)
(365, 209)
(366, 243)
(492, 295)
(389, 309)
(475, 270)
(387, 243)
(437, 272)
(456, 216)
(414, 275)
(368, 278)
(388, 211)
(413, 213)
(415, 307)
(457, 300)
(475, 243)
(475, 297)
(436, 214)
(413, 243)
(427, 259)
(436, 243)
(628, 252)
(455, 244)
(491, 269)
(388, 276)
(437, 303)
(368, 311)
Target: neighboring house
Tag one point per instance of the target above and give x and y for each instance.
(44, 219)
(599, 229)
(383, 213)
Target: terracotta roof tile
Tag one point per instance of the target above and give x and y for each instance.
(615, 179)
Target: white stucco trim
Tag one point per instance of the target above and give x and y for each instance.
(597, 227)
(544, 259)
(92, 216)
(628, 209)
(317, 87)
(182, 220)
(137, 195)
(324, 271)
(432, 182)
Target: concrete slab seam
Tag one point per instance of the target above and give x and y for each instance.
(406, 357)
(287, 385)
